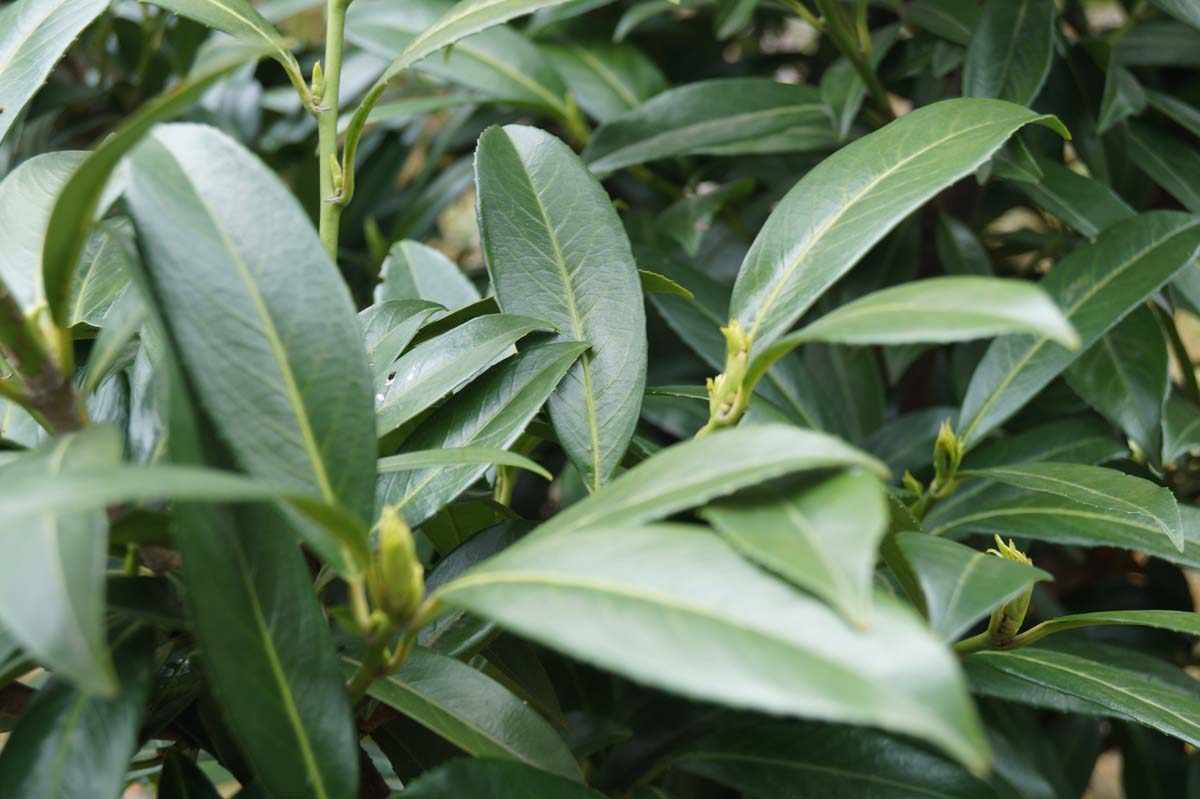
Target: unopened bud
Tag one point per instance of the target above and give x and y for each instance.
(318, 83)
(1006, 621)
(396, 579)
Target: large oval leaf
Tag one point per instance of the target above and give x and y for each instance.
(556, 250)
(691, 473)
(473, 712)
(840, 209)
(284, 375)
(677, 608)
(34, 34)
(1096, 285)
(1011, 50)
(492, 412)
(701, 115)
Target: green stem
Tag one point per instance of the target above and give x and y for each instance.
(1186, 368)
(976, 643)
(327, 121)
(846, 40)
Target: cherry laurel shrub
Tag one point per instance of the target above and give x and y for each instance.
(526, 399)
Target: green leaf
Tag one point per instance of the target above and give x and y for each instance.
(103, 274)
(27, 196)
(73, 745)
(693, 472)
(494, 779)
(1103, 676)
(605, 78)
(500, 63)
(388, 328)
(959, 249)
(654, 283)
(1158, 42)
(182, 779)
(1183, 10)
(1123, 97)
(699, 115)
(1177, 621)
(34, 34)
(1125, 376)
(239, 18)
(284, 377)
(953, 20)
(1010, 52)
(666, 605)
(790, 760)
(963, 585)
(1096, 285)
(1172, 164)
(1085, 204)
(491, 413)
(689, 219)
(842, 90)
(436, 367)
(413, 271)
(844, 206)
(1181, 429)
(556, 250)
(457, 456)
(1109, 493)
(473, 712)
(77, 202)
(52, 573)
(1181, 113)
(821, 535)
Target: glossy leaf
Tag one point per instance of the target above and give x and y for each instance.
(667, 605)
(473, 712)
(556, 250)
(436, 367)
(1125, 377)
(413, 271)
(492, 413)
(73, 745)
(494, 779)
(34, 35)
(822, 536)
(699, 116)
(846, 204)
(52, 586)
(689, 474)
(606, 78)
(1096, 285)
(962, 585)
(80, 196)
(294, 406)
(1011, 50)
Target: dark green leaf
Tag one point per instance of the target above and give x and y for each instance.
(1011, 50)
(606, 78)
(1172, 164)
(182, 779)
(494, 779)
(1123, 97)
(1086, 204)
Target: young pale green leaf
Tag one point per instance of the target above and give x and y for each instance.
(844, 206)
(473, 712)
(1096, 285)
(486, 778)
(605, 78)
(700, 115)
(791, 760)
(1125, 376)
(388, 328)
(1086, 204)
(691, 473)
(413, 271)
(499, 63)
(284, 377)
(821, 535)
(962, 585)
(52, 575)
(429, 371)
(77, 202)
(676, 608)
(1010, 52)
(34, 34)
(1106, 677)
(69, 744)
(459, 456)
(556, 250)
(1172, 164)
(27, 197)
(239, 18)
(1107, 492)
(491, 413)
(182, 779)
(938, 310)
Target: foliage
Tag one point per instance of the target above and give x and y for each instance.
(543, 399)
